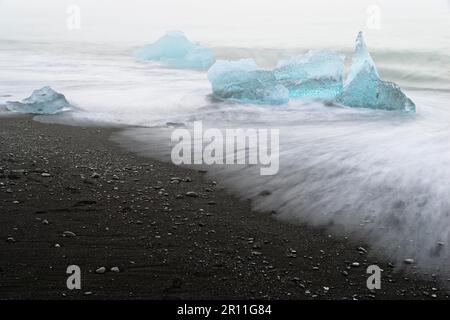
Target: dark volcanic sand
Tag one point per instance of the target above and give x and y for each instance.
(127, 212)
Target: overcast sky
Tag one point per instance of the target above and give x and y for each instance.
(206, 20)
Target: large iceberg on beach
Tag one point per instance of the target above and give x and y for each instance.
(243, 81)
(364, 88)
(314, 74)
(42, 101)
(175, 50)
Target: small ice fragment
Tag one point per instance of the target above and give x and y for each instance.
(364, 88)
(42, 101)
(175, 50)
(316, 74)
(243, 81)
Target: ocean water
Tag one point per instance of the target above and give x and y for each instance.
(382, 177)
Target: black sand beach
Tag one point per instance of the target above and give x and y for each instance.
(70, 196)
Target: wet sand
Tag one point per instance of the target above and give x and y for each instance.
(70, 196)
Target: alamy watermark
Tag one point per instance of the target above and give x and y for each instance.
(229, 146)
(373, 21)
(73, 281)
(374, 280)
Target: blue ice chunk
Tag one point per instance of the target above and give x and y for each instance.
(42, 101)
(243, 81)
(175, 50)
(364, 88)
(316, 74)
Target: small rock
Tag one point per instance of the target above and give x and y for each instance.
(100, 270)
(408, 261)
(362, 250)
(115, 269)
(192, 194)
(46, 175)
(69, 234)
(11, 240)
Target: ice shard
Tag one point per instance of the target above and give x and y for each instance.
(42, 101)
(364, 88)
(315, 74)
(175, 50)
(243, 81)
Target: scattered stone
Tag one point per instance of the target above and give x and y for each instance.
(291, 253)
(355, 264)
(100, 270)
(362, 250)
(192, 194)
(46, 175)
(115, 269)
(69, 234)
(11, 240)
(95, 175)
(408, 261)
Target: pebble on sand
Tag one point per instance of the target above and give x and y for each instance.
(192, 194)
(11, 240)
(100, 270)
(69, 234)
